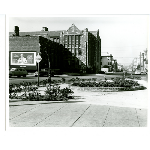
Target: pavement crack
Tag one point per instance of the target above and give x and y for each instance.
(24, 112)
(81, 115)
(106, 117)
(48, 116)
(137, 117)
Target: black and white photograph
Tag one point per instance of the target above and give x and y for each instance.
(78, 71)
(74, 75)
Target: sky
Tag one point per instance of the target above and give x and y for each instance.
(123, 36)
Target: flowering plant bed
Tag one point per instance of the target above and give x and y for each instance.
(95, 89)
(133, 77)
(107, 89)
(29, 91)
(116, 84)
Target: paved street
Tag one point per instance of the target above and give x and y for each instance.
(31, 78)
(88, 109)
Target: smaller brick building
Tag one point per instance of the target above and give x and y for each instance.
(23, 46)
(107, 62)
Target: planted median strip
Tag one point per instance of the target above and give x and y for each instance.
(116, 84)
(52, 91)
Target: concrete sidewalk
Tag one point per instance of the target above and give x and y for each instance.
(87, 109)
(73, 114)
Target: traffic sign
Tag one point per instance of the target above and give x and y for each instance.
(38, 58)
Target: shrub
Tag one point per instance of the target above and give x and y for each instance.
(117, 82)
(55, 93)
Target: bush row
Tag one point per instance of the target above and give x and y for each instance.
(114, 83)
(29, 91)
(129, 85)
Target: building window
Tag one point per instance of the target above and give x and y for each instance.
(65, 38)
(58, 40)
(73, 41)
(79, 38)
(73, 51)
(79, 51)
(76, 51)
(69, 45)
(66, 42)
(69, 39)
(54, 40)
(76, 37)
(76, 45)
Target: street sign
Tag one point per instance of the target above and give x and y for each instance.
(38, 58)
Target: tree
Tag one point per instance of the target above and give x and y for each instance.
(138, 67)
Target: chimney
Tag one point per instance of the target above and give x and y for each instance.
(16, 31)
(86, 29)
(44, 29)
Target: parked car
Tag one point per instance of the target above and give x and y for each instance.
(43, 72)
(17, 72)
(143, 72)
(140, 72)
(101, 72)
(137, 72)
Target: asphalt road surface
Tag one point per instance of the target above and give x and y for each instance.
(32, 78)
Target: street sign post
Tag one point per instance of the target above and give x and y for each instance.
(38, 59)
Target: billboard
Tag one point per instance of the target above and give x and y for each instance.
(23, 58)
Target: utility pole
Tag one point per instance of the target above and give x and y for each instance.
(136, 62)
(146, 59)
(143, 61)
(140, 61)
(145, 51)
(133, 64)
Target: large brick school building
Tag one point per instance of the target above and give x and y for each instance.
(71, 50)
